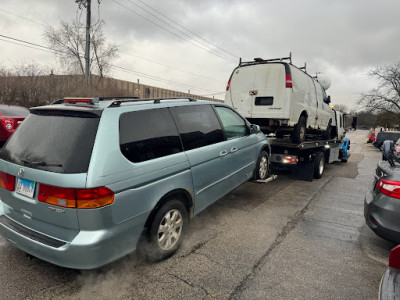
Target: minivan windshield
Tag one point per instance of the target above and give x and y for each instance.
(57, 141)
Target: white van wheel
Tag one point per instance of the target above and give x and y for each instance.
(299, 132)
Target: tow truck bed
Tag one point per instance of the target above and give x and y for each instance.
(300, 157)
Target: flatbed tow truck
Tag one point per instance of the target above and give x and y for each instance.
(307, 160)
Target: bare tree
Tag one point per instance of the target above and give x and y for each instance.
(387, 119)
(386, 97)
(68, 43)
(364, 119)
(341, 107)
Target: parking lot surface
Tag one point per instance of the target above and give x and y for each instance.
(287, 239)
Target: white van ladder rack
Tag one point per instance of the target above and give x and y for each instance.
(260, 60)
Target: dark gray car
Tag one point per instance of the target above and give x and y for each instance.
(382, 136)
(382, 203)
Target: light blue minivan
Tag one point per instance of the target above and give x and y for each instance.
(90, 180)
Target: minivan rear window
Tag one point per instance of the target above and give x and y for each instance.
(56, 141)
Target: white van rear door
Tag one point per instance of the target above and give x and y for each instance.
(270, 86)
(240, 91)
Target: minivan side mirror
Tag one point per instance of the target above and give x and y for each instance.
(254, 128)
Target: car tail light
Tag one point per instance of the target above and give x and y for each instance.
(394, 257)
(290, 159)
(229, 84)
(389, 188)
(289, 82)
(7, 124)
(75, 198)
(7, 181)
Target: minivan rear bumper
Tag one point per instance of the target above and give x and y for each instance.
(88, 250)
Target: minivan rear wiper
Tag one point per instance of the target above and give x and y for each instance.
(40, 163)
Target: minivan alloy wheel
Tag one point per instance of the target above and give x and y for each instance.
(263, 168)
(170, 229)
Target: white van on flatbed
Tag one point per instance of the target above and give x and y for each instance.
(281, 98)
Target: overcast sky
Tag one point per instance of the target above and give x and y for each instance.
(342, 38)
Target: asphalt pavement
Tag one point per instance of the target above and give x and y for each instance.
(287, 239)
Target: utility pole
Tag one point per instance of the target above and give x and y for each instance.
(87, 49)
(87, 5)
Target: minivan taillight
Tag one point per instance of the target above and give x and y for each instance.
(7, 181)
(289, 82)
(229, 84)
(75, 198)
(389, 188)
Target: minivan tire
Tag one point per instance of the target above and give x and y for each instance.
(299, 132)
(319, 165)
(166, 231)
(262, 167)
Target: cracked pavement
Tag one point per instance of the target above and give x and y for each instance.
(286, 239)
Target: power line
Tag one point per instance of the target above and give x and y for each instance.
(186, 28)
(29, 43)
(171, 67)
(12, 42)
(173, 33)
(48, 49)
(157, 78)
(10, 13)
(182, 32)
(213, 94)
(142, 58)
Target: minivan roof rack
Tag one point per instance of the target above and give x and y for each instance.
(90, 100)
(118, 98)
(260, 60)
(155, 100)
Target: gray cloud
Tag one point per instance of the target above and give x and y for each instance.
(342, 38)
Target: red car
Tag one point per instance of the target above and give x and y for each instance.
(371, 137)
(10, 118)
(390, 282)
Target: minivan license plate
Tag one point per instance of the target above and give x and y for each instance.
(25, 187)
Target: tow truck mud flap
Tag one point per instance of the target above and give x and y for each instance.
(303, 171)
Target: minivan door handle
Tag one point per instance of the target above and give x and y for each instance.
(234, 149)
(223, 153)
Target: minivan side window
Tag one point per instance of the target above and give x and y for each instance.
(198, 126)
(148, 134)
(233, 124)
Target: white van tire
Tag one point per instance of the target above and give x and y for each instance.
(299, 132)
